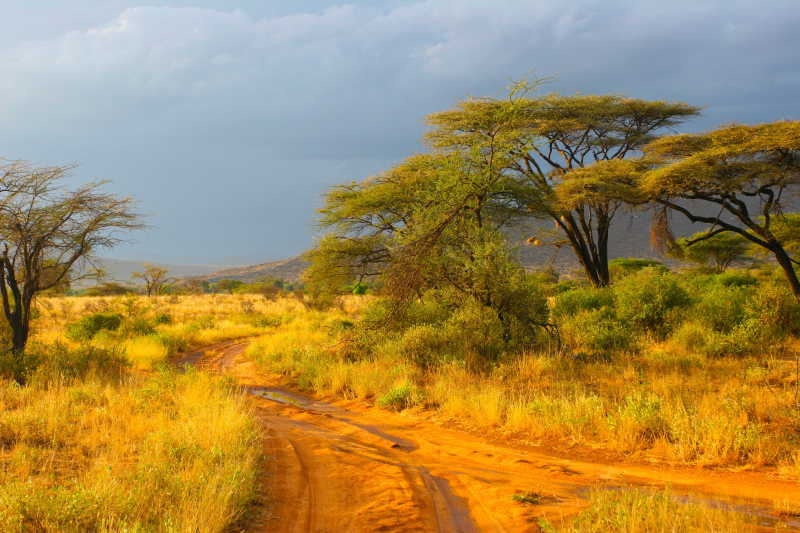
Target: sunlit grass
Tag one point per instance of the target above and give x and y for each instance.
(644, 511)
(665, 401)
(167, 453)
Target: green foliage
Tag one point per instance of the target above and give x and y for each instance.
(87, 327)
(137, 327)
(597, 331)
(571, 302)
(59, 362)
(648, 300)
(721, 307)
(622, 266)
(717, 251)
(109, 288)
(227, 285)
(772, 313)
(400, 397)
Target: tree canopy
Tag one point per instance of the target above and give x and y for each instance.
(49, 234)
(733, 179)
(543, 140)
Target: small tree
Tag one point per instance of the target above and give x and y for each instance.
(154, 278)
(48, 235)
(717, 252)
(228, 285)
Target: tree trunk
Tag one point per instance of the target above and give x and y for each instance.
(788, 268)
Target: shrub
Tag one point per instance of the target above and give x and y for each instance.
(138, 327)
(774, 311)
(424, 345)
(400, 397)
(699, 338)
(573, 301)
(596, 330)
(163, 318)
(722, 307)
(648, 300)
(87, 327)
(59, 362)
(623, 266)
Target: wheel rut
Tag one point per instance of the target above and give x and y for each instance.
(344, 467)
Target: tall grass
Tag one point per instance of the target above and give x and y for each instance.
(642, 511)
(167, 453)
(664, 400)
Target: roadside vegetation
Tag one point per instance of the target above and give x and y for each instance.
(691, 364)
(106, 435)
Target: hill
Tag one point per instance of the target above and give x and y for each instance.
(285, 269)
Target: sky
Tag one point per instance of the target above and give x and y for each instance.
(228, 120)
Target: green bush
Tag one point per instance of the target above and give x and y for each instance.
(162, 318)
(595, 331)
(774, 310)
(138, 327)
(649, 301)
(87, 327)
(400, 397)
(722, 307)
(59, 362)
(424, 345)
(623, 266)
(699, 338)
(573, 301)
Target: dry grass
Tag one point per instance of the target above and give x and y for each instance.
(166, 453)
(642, 511)
(665, 401)
(90, 446)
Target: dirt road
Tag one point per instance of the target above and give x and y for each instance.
(338, 466)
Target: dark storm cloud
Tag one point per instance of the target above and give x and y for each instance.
(228, 124)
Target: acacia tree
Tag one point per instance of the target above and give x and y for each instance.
(431, 223)
(544, 139)
(718, 251)
(48, 235)
(734, 179)
(154, 278)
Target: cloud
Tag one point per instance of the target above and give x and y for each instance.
(181, 98)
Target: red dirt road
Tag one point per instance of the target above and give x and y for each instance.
(339, 466)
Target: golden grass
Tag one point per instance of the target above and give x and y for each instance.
(166, 453)
(667, 402)
(643, 511)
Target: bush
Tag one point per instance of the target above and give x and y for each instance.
(722, 307)
(59, 362)
(624, 266)
(573, 301)
(163, 318)
(774, 311)
(649, 299)
(595, 330)
(697, 337)
(138, 327)
(87, 327)
(400, 397)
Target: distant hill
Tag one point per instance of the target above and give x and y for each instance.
(630, 238)
(121, 270)
(286, 269)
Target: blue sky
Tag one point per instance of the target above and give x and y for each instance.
(228, 120)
